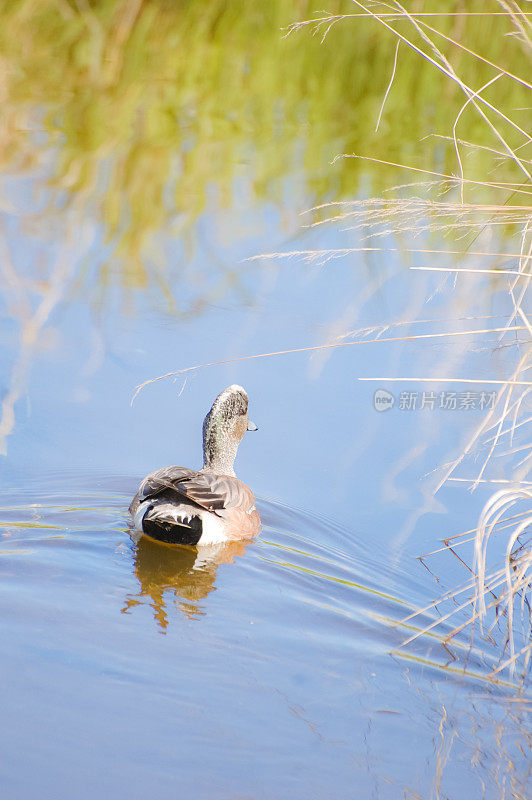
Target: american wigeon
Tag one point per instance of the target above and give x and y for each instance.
(206, 506)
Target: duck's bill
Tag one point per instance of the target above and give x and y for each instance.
(252, 426)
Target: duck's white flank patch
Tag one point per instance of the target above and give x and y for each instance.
(212, 526)
(213, 529)
(139, 515)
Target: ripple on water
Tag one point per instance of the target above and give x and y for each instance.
(298, 632)
(330, 578)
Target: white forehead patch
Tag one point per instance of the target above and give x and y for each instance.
(231, 391)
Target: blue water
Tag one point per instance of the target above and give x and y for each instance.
(270, 669)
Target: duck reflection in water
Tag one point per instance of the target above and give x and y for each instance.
(178, 574)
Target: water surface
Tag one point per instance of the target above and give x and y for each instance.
(260, 670)
(132, 201)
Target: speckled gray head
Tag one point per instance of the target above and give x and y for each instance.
(224, 428)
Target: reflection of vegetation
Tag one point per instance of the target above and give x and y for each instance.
(496, 739)
(149, 106)
(30, 302)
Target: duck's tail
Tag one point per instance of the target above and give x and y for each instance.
(168, 523)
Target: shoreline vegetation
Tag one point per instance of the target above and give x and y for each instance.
(459, 206)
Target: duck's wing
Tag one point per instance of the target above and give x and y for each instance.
(166, 479)
(211, 492)
(218, 492)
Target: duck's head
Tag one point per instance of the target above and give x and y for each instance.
(224, 428)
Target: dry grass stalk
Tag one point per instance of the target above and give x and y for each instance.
(509, 586)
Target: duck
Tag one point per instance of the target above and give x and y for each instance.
(208, 506)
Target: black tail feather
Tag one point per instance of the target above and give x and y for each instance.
(171, 532)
